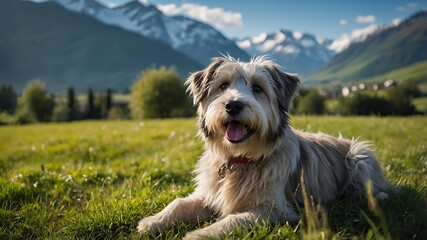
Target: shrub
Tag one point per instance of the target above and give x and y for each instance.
(35, 104)
(311, 103)
(117, 113)
(159, 93)
(400, 98)
(362, 103)
(61, 112)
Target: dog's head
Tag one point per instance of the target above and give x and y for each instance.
(242, 106)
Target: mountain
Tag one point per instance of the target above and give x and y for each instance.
(63, 48)
(394, 48)
(358, 35)
(198, 40)
(296, 52)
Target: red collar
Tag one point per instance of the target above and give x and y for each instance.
(240, 159)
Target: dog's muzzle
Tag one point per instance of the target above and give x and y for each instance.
(237, 132)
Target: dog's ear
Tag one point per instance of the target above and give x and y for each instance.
(198, 82)
(286, 85)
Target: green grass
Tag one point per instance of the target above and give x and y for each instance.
(421, 104)
(416, 72)
(96, 179)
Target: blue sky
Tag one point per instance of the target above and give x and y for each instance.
(324, 18)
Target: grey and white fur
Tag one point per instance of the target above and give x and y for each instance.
(243, 111)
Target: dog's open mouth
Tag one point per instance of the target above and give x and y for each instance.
(237, 132)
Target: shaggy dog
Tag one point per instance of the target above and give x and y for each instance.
(250, 170)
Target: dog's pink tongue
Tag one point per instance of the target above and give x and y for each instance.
(235, 131)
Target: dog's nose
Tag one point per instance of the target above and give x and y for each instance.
(234, 107)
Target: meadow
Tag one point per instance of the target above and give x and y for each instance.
(97, 179)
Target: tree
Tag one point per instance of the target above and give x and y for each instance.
(159, 93)
(312, 103)
(35, 104)
(364, 103)
(8, 99)
(106, 102)
(401, 98)
(91, 111)
(116, 113)
(61, 111)
(71, 104)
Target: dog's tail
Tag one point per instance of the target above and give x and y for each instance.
(363, 167)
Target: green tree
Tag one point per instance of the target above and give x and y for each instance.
(91, 111)
(364, 103)
(401, 98)
(105, 102)
(312, 103)
(8, 99)
(159, 93)
(61, 111)
(116, 113)
(35, 103)
(73, 113)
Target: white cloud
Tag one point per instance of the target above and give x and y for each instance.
(365, 19)
(343, 22)
(412, 5)
(401, 8)
(218, 17)
(169, 9)
(357, 35)
(396, 21)
(407, 7)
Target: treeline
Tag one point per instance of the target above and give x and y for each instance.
(159, 93)
(396, 100)
(36, 104)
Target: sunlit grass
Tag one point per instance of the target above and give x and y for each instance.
(96, 179)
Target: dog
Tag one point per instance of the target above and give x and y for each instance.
(253, 161)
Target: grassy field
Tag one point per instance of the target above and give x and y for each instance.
(95, 180)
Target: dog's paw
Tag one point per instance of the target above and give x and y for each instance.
(194, 235)
(150, 225)
(204, 233)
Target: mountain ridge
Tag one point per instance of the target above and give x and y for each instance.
(390, 49)
(197, 40)
(75, 50)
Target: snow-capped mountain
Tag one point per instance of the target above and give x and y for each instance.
(358, 35)
(198, 40)
(296, 52)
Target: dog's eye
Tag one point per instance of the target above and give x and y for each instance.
(257, 89)
(224, 86)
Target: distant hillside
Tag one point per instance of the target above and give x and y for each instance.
(380, 54)
(199, 41)
(65, 49)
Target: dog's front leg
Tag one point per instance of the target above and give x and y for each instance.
(230, 222)
(189, 209)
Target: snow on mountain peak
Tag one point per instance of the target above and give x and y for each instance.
(194, 38)
(299, 52)
(297, 35)
(357, 35)
(259, 39)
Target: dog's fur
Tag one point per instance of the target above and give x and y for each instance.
(266, 187)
